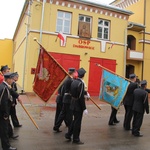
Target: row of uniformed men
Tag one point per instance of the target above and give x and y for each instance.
(135, 103)
(8, 96)
(71, 105)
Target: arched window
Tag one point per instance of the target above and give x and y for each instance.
(131, 41)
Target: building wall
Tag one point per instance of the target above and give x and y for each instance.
(6, 50)
(49, 35)
(147, 45)
(138, 10)
(20, 48)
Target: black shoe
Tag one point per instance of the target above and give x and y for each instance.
(117, 121)
(57, 130)
(78, 142)
(14, 136)
(67, 137)
(18, 126)
(11, 148)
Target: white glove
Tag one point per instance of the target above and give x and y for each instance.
(88, 95)
(85, 112)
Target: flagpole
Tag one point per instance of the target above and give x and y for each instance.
(95, 103)
(112, 72)
(29, 116)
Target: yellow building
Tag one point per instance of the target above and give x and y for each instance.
(95, 33)
(138, 37)
(6, 52)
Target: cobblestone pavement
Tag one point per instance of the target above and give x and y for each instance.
(95, 133)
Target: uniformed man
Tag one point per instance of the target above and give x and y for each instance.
(14, 103)
(4, 70)
(5, 104)
(77, 106)
(140, 105)
(66, 113)
(128, 102)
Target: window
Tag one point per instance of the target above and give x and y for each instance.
(103, 29)
(85, 26)
(63, 22)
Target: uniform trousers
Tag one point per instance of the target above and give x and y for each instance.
(4, 133)
(75, 127)
(137, 122)
(113, 117)
(128, 117)
(65, 114)
(58, 111)
(14, 116)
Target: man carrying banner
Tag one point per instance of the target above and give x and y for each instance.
(128, 102)
(13, 114)
(77, 106)
(140, 105)
(65, 113)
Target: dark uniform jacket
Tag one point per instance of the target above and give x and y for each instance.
(128, 99)
(5, 100)
(14, 87)
(77, 92)
(140, 101)
(67, 95)
(60, 95)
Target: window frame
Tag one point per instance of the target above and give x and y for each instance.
(64, 19)
(103, 26)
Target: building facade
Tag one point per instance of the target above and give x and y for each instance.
(138, 37)
(94, 33)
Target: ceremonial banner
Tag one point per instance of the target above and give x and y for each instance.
(113, 89)
(49, 75)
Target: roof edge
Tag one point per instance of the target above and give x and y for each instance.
(105, 6)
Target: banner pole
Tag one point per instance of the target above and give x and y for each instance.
(95, 103)
(112, 72)
(30, 116)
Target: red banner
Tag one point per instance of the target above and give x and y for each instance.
(49, 75)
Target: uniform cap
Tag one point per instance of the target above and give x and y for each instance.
(131, 76)
(16, 74)
(81, 72)
(3, 68)
(71, 69)
(143, 82)
(9, 75)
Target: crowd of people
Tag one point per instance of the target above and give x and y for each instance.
(71, 106)
(8, 102)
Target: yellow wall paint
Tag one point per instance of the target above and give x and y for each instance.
(6, 51)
